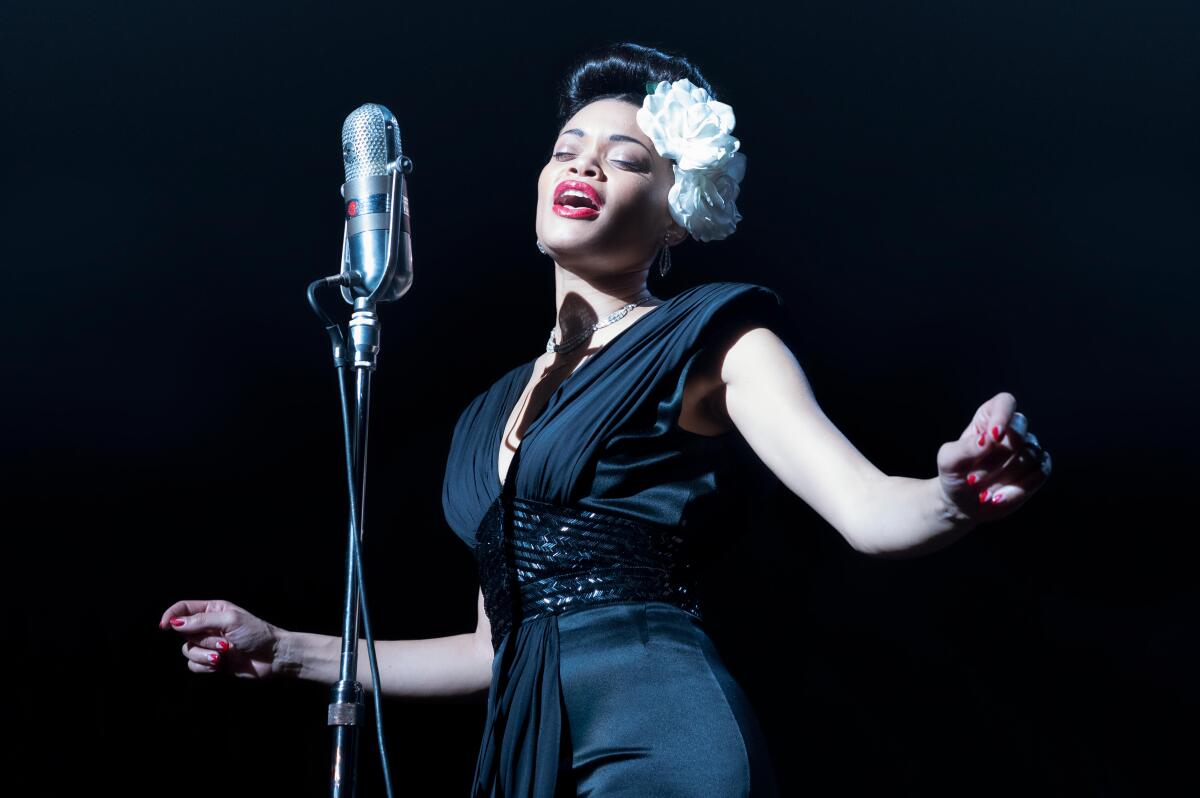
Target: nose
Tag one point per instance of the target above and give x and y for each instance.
(587, 163)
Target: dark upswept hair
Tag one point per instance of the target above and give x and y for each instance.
(621, 71)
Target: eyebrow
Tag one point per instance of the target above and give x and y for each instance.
(614, 137)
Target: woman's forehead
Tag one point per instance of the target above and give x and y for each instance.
(604, 117)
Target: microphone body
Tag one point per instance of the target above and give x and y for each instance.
(377, 242)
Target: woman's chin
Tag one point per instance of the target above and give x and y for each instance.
(568, 242)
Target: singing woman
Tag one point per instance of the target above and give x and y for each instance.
(590, 480)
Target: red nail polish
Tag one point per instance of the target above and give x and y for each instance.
(971, 479)
(221, 644)
(983, 496)
(995, 433)
(999, 497)
(982, 439)
(213, 658)
(177, 621)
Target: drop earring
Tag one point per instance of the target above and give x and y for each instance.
(541, 249)
(664, 264)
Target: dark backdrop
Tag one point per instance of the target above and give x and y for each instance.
(953, 199)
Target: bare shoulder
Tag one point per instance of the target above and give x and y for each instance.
(750, 348)
(745, 348)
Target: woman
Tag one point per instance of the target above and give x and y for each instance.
(591, 641)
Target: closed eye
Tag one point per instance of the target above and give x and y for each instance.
(623, 163)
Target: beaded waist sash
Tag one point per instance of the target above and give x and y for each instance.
(546, 559)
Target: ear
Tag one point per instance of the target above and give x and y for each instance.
(675, 232)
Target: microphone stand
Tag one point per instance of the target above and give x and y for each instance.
(345, 711)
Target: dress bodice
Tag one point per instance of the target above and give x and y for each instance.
(608, 438)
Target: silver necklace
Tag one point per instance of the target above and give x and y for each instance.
(585, 334)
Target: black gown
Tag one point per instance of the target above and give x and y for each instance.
(616, 697)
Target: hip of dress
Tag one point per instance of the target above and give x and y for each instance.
(620, 698)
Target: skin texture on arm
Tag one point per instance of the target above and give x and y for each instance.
(435, 668)
(770, 401)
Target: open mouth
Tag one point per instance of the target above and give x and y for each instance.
(574, 198)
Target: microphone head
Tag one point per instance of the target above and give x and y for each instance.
(370, 141)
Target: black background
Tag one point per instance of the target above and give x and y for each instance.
(954, 199)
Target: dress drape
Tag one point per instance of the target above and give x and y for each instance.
(623, 697)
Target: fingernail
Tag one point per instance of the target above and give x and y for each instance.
(983, 496)
(999, 497)
(995, 433)
(982, 439)
(221, 644)
(177, 621)
(971, 479)
(213, 658)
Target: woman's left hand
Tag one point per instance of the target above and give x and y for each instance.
(995, 465)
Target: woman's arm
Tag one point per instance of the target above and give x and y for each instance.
(439, 667)
(768, 398)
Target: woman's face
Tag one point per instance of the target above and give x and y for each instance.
(630, 181)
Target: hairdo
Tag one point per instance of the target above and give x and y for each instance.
(621, 71)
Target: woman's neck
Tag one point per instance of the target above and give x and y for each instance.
(580, 303)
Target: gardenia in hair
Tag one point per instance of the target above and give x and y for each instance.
(692, 129)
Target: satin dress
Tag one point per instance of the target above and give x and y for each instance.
(626, 698)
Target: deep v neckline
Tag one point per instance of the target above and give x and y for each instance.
(522, 379)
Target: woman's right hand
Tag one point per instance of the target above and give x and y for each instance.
(221, 636)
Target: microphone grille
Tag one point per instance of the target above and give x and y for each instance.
(370, 139)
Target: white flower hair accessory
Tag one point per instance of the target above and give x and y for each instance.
(691, 128)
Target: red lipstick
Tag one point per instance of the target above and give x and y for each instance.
(576, 206)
